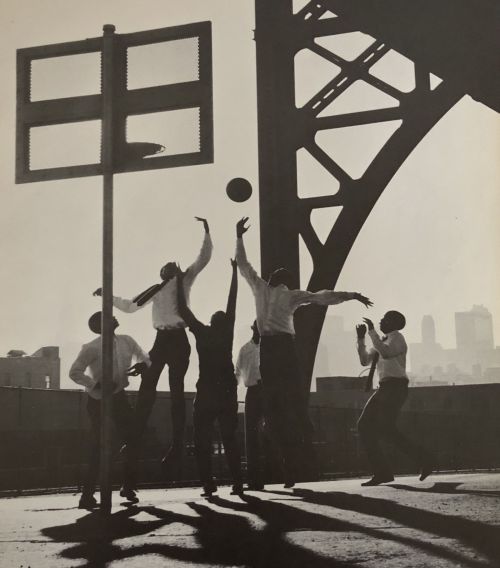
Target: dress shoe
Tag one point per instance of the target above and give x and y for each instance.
(377, 480)
(129, 494)
(426, 470)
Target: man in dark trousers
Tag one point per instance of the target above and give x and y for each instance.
(248, 371)
(216, 396)
(86, 371)
(378, 419)
(171, 347)
(276, 302)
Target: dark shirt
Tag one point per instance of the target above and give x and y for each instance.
(214, 344)
(215, 356)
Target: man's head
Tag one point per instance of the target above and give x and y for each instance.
(218, 320)
(95, 323)
(392, 321)
(282, 276)
(255, 332)
(168, 271)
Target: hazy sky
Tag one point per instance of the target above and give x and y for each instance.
(430, 245)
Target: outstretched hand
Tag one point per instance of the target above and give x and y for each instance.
(234, 264)
(98, 292)
(369, 324)
(240, 227)
(205, 223)
(363, 299)
(137, 369)
(361, 331)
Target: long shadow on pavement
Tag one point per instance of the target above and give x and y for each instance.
(482, 537)
(223, 539)
(230, 539)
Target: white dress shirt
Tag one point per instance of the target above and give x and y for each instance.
(248, 364)
(165, 313)
(275, 305)
(392, 360)
(126, 352)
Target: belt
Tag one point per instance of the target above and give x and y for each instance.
(164, 328)
(280, 334)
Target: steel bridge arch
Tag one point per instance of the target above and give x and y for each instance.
(283, 129)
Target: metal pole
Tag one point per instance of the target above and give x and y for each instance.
(107, 266)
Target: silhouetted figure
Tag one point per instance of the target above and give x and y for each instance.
(378, 419)
(248, 371)
(171, 346)
(87, 371)
(276, 303)
(216, 396)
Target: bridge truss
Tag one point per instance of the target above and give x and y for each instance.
(284, 129)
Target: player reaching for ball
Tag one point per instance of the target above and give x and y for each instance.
(276, 302)
(171, 347)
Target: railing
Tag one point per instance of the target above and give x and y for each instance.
(44, 435)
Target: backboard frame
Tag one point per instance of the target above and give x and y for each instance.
(193, 94)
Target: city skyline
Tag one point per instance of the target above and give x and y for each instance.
(338, 357)
(336, 354)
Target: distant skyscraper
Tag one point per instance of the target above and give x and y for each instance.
(427, 357)
(474, 329)
(428, 330)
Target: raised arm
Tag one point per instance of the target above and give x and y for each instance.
(203, 257)
(233, 292)
(365, 356)
(246, 269)
(327, 298)
(77, 371)
(184, 311)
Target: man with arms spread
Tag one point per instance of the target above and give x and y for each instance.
(276, 303)
(171, 346)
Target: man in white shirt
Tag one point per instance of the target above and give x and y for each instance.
(87, 371)
(379, 416)
(171, 346)
(276, 303)
(248, 371)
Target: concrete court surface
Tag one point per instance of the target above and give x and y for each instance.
(448, 520)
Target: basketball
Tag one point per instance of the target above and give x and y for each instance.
(239, 189)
